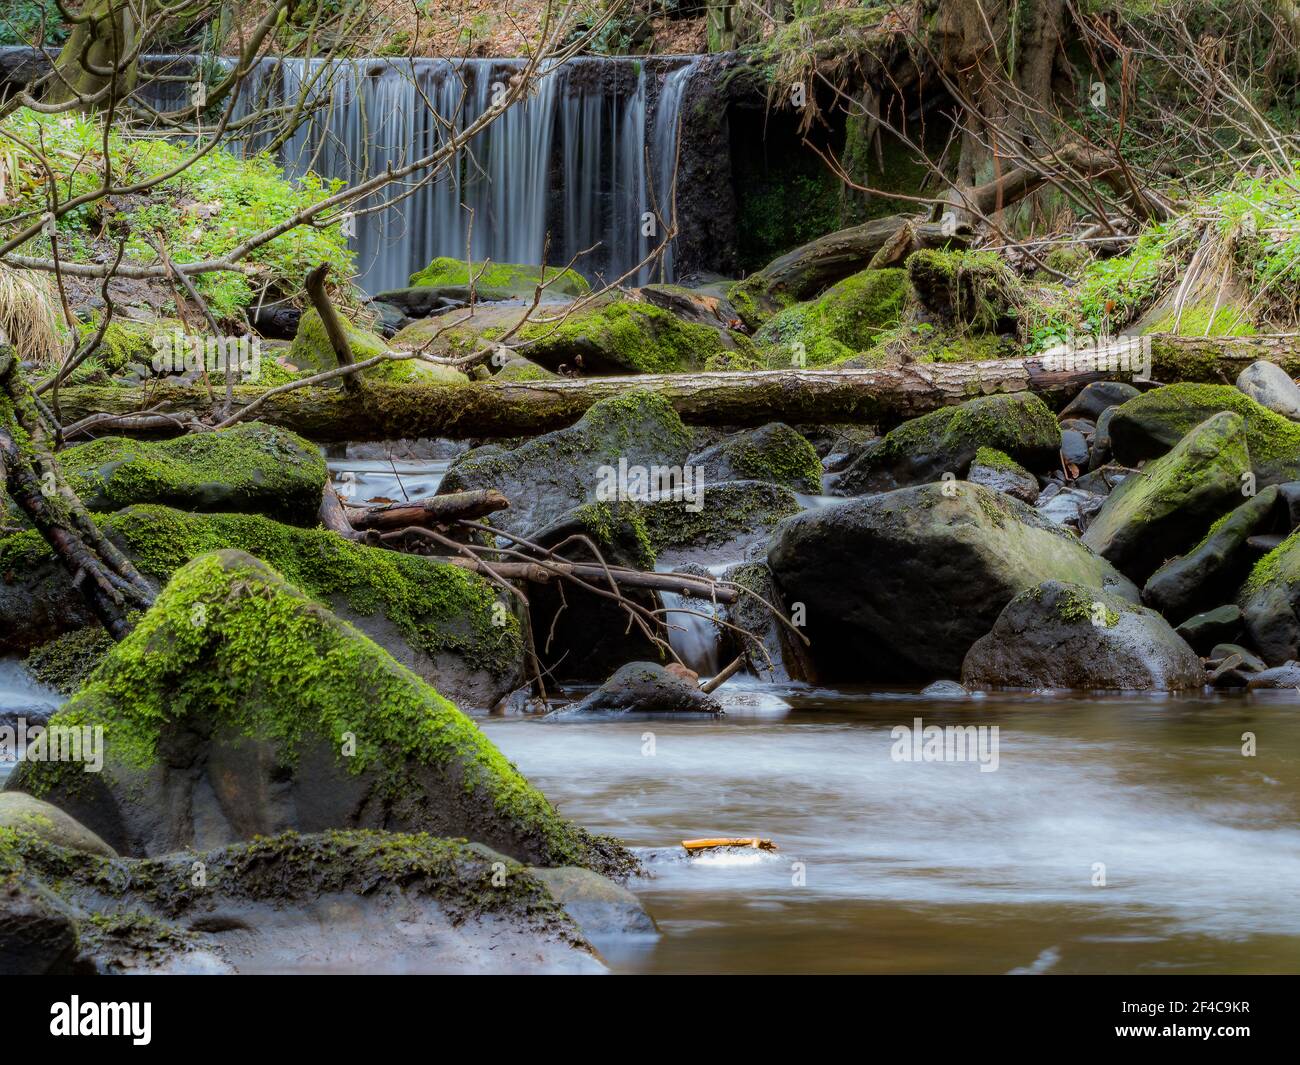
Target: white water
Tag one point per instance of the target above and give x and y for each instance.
(20, 696)
(574, 160)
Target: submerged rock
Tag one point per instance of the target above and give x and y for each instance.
(947, 441)
(239, 707)
(945, 689)
(901, 584)
(774, 453)
(1213, 570)
(1271, 386)
(1285, 676)
(1167, 507)
(1062, 635)
(599, 906)
(250, 468)
(436, 619)
(337, 902)
(643, 688)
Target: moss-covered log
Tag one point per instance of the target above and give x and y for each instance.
(883, 396)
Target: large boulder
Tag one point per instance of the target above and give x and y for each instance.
(1062, 635)
(338, 902)
(900, 585)
(1270, 603)
(250, 468)
(636, 433)
(1096, 398)
(238, 707)
(1152, 423)
(1213, 570)
(947, 440)
(1167, 507)
(846, 319)
(438, 620)
(643, 688)
(999, 471)
(774, 453)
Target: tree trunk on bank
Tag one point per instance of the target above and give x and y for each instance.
(94, 45)
(879, 397)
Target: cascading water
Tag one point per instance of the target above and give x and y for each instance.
(572, 162)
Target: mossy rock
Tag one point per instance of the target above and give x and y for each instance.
(1065, 636)
(551, 474)
(1270, 603)
(497, 281)
(1212, 571)
(976, 290)
(898, 586)
(521, 369)
(1152, 423)
(438, 620)
(773, 453)
(1164, 509)
(350, 901)
(619, 336)
(947, 440)
(126, 342)
(240, 707)
(723, 520)
(311, 350)
(251, 468)
(846, 319)
(22, 813)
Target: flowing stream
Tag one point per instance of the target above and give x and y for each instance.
(937, 866)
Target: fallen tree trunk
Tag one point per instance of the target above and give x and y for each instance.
(873, 396)
(682, 583)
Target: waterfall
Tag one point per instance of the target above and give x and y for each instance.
(572, 161)
(694, 638)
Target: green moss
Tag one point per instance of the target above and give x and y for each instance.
(229, 648)
(848, 318)
(125, 342)
(248, 467)
(64, 663)
(613, 524)
(976, 290)
(1074, 606)
(436, 606)
(1203, 320)
(500, 280)
(1282, 564)
(997, 460)
(628, 337)
(727, 510)
(311, 350)
(776, 454)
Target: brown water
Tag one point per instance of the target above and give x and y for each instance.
(937, 866)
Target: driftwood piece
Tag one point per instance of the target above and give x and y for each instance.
(436, 510)
(329, 317)
(699, 587)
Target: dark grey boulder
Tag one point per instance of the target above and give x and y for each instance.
(999, 471)
(1203, 631)
(1061, 635)
(773, 453)
(1213, 570)
(899, 585)
(638, 432)
(1166, 508)
(1285, 676)
(1270, 603)
(1096, 397)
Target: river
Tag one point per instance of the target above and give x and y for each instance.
(939, 867)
